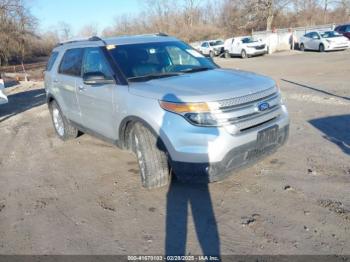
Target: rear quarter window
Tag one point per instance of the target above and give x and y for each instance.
(72, 62)
(51, 61)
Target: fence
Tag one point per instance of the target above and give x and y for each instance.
(20, 68)
(281, 39)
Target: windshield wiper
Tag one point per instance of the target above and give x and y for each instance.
(153, 76)
(196, 69)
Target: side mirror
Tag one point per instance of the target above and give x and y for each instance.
(96, 78)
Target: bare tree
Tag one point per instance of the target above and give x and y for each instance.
(89, 30)
(65, 30)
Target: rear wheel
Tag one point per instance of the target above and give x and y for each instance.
(63, 128)
(302, 47)
(211, 54)
(151, 156)
(243, 54)
(321, 48)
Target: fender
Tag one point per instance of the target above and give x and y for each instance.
(162, 139)
(49, 98)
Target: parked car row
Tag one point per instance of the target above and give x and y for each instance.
(243, 46)
(248, 46)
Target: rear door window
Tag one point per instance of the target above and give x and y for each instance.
(51, 61)
(71, 62)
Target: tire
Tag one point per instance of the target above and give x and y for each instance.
(243, 54)
(63, 128)
(302, 47)
(151, 156)
(227, 55)
(321, 48)
(211, 54)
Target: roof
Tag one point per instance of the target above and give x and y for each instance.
(119, 40)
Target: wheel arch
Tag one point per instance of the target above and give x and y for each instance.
(50, 98)
(125, 128)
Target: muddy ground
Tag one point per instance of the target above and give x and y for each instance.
(84, 196)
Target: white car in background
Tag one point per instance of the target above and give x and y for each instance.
(245, 46)
(3, 97)
(212, 47)
(323, 41)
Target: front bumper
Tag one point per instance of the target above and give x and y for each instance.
(239, 157)
(253, 52)
(218, 51)
(331, 47)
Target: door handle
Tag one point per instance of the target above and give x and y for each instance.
(81, 88)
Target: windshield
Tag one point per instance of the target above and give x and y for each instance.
(330, 34)
(248, 40)
(215, 43)
(163, 59)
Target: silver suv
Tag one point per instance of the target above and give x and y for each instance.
(176, 110)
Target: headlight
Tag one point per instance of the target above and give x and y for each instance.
(196, 113)
(201, 119)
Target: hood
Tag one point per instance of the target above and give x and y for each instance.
(339, 39)
(207, 86)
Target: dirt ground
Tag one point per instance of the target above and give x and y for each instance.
(84, 196)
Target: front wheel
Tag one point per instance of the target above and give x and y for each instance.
(227, 55)
(243, 54)
(211, 54)
(321, 48)
(151, 156)
(302, 47)
(63, 128)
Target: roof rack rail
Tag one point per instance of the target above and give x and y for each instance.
(91, 38)
(97, 38)
(161, 34)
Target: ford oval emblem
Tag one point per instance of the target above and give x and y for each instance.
(263, 106)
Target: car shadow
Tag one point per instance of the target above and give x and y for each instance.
(21, 102)
(316, 89)
(336, 129)
(185, 194)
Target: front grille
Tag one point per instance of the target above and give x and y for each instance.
(241, 114)
(246, 99)
(259, 47)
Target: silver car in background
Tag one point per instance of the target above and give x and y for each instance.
(323, 41)
(159, 98)
(212, 48)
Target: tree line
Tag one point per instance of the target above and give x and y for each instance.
(193, 20)
(190, 20)
(19, 39)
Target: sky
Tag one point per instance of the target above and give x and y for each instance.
(79, 13)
